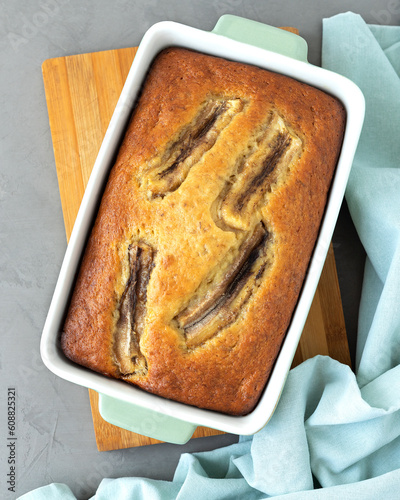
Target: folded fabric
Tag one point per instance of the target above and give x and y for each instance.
(370, 56)
(330, 427)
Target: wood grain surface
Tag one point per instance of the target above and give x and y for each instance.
(81, 93)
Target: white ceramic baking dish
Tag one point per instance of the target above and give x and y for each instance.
(236, 39)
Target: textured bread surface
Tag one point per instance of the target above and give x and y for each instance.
(205, 231)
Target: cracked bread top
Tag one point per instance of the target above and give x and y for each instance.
(205, 231)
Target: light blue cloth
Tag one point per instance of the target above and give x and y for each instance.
(341, 429)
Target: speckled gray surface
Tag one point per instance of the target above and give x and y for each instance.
(54, 431)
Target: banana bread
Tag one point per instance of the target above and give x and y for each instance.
(205, 231)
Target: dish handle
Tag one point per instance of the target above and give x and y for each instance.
(144, 421)
(262, 35)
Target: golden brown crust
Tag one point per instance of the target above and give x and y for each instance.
(172, 190)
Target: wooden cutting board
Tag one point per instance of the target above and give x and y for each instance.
(81, 94)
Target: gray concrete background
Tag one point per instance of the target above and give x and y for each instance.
(54, 430)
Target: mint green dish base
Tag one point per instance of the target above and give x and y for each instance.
(151, 423)
(144, 421)
(263, 36)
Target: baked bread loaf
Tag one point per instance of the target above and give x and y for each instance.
(205, 231)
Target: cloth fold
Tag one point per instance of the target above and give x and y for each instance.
(370, 56)
(331, 426)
